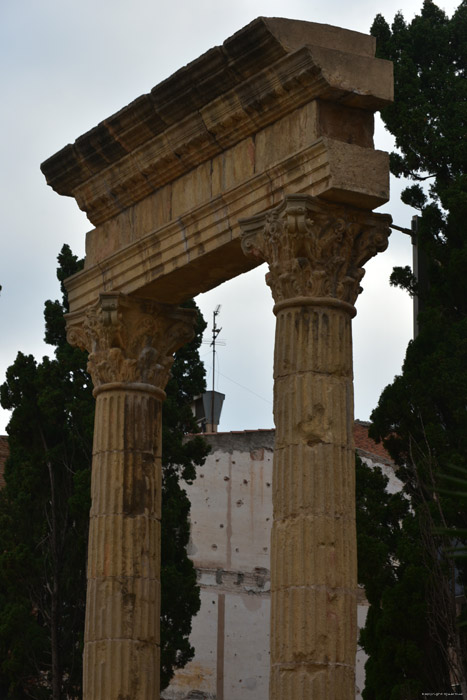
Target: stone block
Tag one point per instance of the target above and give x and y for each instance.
(357, 176)
(233, 167)
(312, 681)
(123, 608)
(307, 552)
(292, 133)
(108, 666)
(314, 410)
(152, 213)
(345, 123)
(292, 34)
(209, 106)
(124, 547)
(312, 626)
(320, 483)
(191, 190)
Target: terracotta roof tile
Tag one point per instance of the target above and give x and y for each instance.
(365, 443)
(362, 441)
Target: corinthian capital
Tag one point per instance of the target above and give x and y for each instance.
(130, 340)
(314, 249)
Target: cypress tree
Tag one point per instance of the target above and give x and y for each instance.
(44, 512)
(414, 629)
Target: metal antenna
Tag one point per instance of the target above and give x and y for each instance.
(215, 333)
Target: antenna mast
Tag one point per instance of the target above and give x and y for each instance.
(215, 333)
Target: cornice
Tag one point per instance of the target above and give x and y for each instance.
(263, 72)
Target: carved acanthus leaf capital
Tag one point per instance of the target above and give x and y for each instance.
(130, 340)
(314, 249)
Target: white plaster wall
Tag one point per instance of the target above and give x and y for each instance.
(362, 611)
(394, 484)
(200, 673)
(246, 670)
(231, 513)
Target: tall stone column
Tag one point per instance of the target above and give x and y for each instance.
(131, 343)
(315, 252)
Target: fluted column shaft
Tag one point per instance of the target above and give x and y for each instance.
(313, 553)
(131, 344)
(315, 252)
(121, 657)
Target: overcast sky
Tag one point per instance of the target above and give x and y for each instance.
(65, 66)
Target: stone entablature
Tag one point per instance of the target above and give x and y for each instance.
(264, 71)
(282, 107)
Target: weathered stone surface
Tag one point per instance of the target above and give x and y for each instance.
(111, 659)
(131, 344)
(313, 552)
(315, 252)
(130, 340)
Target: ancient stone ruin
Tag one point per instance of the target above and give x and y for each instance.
(260, 150)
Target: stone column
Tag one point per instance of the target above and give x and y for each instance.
(131, 342)
(315, 252)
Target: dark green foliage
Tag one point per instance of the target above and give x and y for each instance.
(404, 660)
(44, 511)
(412, 632)
(454, 484)
(180, 593)
(404, 277)
(379, 517)
(430, 109)
(43, 517)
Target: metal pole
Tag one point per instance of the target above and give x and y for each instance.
(215, 333)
